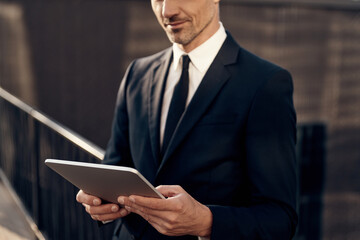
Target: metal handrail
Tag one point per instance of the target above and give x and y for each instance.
(57, 127)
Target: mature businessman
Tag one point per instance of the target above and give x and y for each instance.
(214, 130)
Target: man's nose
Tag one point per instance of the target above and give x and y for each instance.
(170, 8)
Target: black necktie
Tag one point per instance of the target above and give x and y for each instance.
(178, 103)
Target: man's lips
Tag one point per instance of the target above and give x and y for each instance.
(175, 24)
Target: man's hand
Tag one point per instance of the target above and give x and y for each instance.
(98, 211)
(179, 214)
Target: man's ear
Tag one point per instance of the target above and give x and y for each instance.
(216, 1)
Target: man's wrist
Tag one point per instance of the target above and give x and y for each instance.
(207, 221)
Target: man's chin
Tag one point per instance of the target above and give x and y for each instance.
(178, 39)
(174, 39)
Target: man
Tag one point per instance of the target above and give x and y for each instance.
(227, 164)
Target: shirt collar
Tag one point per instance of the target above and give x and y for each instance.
(202, 56)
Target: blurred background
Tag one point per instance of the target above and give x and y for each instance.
(61, 63)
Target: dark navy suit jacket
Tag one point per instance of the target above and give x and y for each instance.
(233, 149)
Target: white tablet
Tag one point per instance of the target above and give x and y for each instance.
(107, 182)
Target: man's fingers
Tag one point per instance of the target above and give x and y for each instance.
(110, 216)
(153, 210)
(83, 197)
(98, 211)
(102, 209)
(153, 217)
(165, 222)
(170, 190)
(147, 213)
(149, 203)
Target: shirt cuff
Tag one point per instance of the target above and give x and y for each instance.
(203, 238)
(105, 222)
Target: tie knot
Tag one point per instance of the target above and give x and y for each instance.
(186, 61)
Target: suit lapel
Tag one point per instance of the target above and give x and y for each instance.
(156, 90)
(213, 81)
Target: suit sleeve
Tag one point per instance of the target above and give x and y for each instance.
(271, 169)
(118, 150)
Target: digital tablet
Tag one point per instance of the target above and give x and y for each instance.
(107, 182)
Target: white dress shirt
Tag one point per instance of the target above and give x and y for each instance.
(201, 59)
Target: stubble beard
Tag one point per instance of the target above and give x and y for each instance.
(186, 35)
(181, 36)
